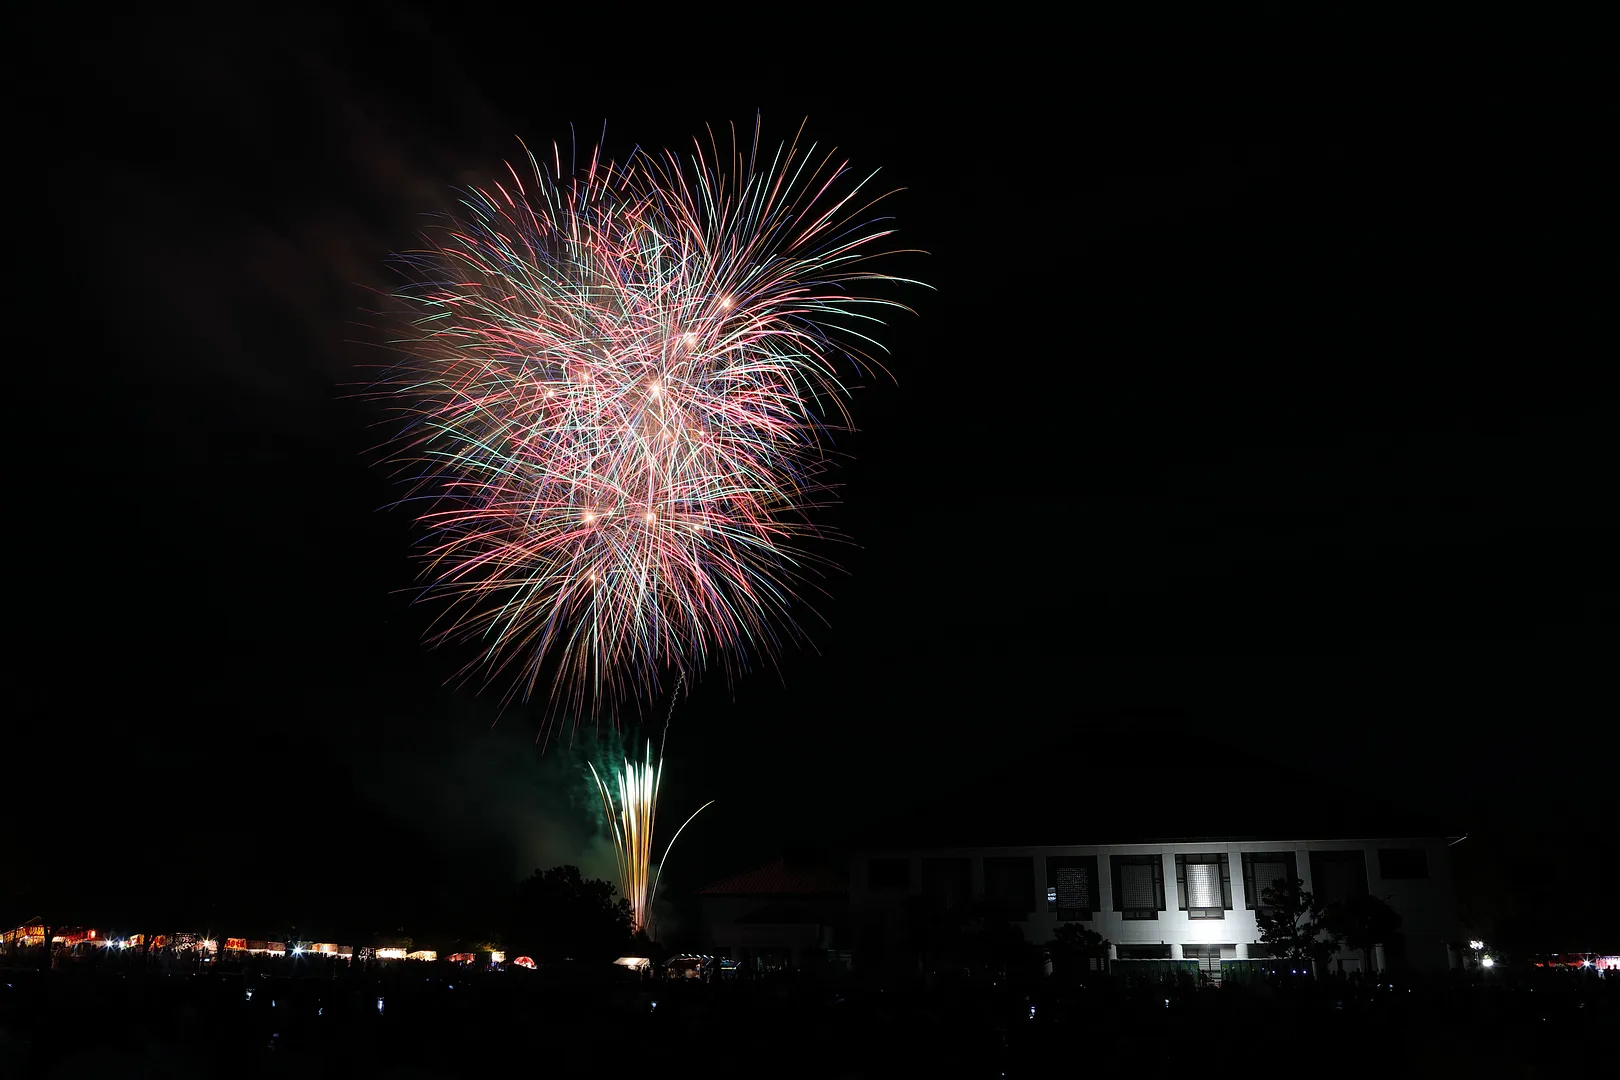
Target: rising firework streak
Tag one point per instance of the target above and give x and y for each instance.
(632, 818)
(616, 392)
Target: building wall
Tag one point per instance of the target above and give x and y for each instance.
(726, 936)
(1427, 906)
(720, 912)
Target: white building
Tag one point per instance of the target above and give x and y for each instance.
(1177, 899)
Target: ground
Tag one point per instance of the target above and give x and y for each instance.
(435, 1021)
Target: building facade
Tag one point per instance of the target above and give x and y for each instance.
(775, 917)
(1176, 899)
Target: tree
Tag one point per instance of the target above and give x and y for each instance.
(990, 941)
(561, 915)
(972, 938)
(1364, 922)
(1293, 924)
(1072, 945)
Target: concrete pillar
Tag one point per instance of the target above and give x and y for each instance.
(1175, 951)
(1243, 950)
(1378, 959)
(1113, 951)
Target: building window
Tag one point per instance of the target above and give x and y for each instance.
(888, 873)
(1143, 952)
(948, 881)
(1208, 958)
(1204, 885)
(1264, 870)
(1138, 885)
(1009, 884)
(1071, 886)
(1337, 876)
(1410, 862)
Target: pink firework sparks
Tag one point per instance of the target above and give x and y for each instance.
(616, 391)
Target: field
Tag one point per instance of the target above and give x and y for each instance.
(429, 1021)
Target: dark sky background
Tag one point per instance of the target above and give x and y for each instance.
(1260, 426)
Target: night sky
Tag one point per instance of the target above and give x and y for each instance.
(1260, 425)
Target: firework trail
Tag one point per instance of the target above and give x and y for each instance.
(632, 817)
(616, 396)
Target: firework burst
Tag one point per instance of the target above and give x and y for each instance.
(617, 391)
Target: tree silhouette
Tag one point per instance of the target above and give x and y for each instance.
(1293, 924)
(959, 938)
(561, 915)
(1072, 945)
(1364, 922)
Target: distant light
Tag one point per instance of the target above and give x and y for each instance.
(1586, 963)
(1476, 944)
(1488, 962)
(379, 1005)
(691, 339)
(650, 516)
(725, 303)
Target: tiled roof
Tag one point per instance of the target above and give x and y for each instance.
(777, 879)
